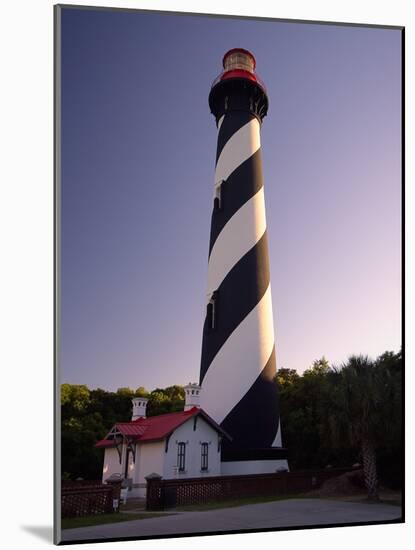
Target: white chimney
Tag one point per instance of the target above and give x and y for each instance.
(139, 407)
(192, 396)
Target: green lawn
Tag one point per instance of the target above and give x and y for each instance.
(100, 519)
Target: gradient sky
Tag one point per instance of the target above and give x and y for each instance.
(138, 152)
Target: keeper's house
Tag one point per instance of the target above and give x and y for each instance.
(174, 445)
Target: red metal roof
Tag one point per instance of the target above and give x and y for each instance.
(103, 443)
(157, 427)
(131, 429)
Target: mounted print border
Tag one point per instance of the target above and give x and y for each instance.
(199, 161)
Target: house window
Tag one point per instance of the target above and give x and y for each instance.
(204, 456)
(181, 456)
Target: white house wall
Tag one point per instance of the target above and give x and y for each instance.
(151, 460)
(193, 439)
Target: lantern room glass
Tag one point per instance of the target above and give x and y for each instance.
(239, 60)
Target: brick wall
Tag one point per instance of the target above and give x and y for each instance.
(168, 493)
(84, 498)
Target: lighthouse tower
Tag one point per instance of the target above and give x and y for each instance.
(238, 351)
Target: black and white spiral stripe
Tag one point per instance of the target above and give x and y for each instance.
(238, 352)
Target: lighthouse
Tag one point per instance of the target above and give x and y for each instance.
(238, 362)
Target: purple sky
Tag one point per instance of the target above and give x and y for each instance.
(138, 151)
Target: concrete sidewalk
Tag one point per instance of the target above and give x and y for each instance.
(278, 514)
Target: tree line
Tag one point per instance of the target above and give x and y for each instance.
(347, 414)
(330, 416)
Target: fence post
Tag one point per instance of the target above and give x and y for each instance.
(154, 492)
(115, 483)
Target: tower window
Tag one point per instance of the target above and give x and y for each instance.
(218, 200)
(204, 456)
(212, 311)
(181, 456)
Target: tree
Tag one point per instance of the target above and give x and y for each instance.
(177, 397)
(302, 404)
(159, 403)
(320, 367)
(389, 451)
(328, 415)
(82, 426)
(357, 417)
(74, 398)
(286, 377)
